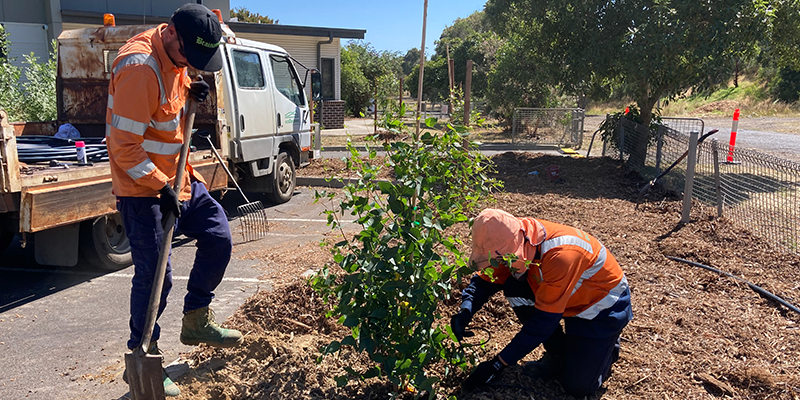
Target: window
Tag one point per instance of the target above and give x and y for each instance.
(249, 73)
(286, 81)
(328, 79)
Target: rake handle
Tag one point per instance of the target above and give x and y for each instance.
(225, 167)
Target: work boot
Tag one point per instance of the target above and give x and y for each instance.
(199, 327)
(545, 368)
(170, 388)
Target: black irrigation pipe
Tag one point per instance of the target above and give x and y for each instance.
(755, 288)
(527, 389)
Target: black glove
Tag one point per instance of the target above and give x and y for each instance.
(483, 374)
(169, 204)
(459, 322)
(199, 90)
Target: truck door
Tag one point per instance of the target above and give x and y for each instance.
(255, 109)
(291, 107)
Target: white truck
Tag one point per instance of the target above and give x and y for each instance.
(258, 115)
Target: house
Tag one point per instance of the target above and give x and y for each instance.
(32, 24)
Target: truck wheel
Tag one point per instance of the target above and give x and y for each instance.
(104, 244)
(284, 179)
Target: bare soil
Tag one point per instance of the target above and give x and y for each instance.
(695, 334)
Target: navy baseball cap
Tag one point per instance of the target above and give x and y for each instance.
(200, 30)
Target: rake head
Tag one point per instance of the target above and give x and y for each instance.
(253, 219)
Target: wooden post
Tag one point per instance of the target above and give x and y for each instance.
(467, 89)
(450, 80)
(421, 65)
(717, 188)
(690, 163)
(401, 94)
(375, 109)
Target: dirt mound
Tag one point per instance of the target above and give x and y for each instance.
(719, 105)
(695, 334)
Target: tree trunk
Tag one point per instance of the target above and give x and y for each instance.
(641, 138)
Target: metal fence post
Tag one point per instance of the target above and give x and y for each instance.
(690, 164)
(514, 125)
(659, 147)
(317, 140)
(715, 155)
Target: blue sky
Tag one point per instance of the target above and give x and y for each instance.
(394, 26)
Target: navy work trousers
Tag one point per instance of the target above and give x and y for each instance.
(587, 359)
(202, 219)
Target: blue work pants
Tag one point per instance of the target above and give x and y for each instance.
(202, 219)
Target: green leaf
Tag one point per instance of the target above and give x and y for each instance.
(350, 321)
(430, 122)
(342, 380)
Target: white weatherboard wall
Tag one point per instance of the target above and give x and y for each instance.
(304, 49)
(26, 39)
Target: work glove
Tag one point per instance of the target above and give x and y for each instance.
(170, 205)
(483, 374)
(459, 322)
(199, 90)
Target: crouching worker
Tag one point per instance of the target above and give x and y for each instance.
(560, 272)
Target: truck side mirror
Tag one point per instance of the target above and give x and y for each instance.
(316, 85)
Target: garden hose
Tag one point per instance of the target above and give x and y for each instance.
(755, 288)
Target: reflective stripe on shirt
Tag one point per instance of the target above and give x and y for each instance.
(520, 301)
(164, 149)
(606, 302)
(111, 102)
(128, 125)
(146, 59)
(167, 125)
(566, 240)
(595, 268)
(144, 168)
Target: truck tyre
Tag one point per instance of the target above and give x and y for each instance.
(104, 244)
(284, 179)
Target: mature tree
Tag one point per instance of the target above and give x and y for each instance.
(245, 15)
(661, 47)
(362, 68)
(410, 60)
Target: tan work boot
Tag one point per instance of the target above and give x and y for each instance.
(199, 327)
(170, 388)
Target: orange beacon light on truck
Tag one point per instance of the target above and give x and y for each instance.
(108, 20)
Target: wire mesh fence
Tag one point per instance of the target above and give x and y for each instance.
(757, 191)
(548, 126)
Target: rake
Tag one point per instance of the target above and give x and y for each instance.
(252, 215)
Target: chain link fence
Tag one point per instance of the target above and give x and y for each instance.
(757, 191)
(561, 127)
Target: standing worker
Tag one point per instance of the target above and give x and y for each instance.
(146, 98)
(557, 272)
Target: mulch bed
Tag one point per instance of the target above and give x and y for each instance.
(695, 334)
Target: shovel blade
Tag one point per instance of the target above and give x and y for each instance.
(144, 375)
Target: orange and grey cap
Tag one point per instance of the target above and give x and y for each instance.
(200, 31)
(496, 233)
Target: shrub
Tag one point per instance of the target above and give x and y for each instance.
(402, 264)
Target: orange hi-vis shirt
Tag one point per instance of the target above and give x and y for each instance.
(574, 275)
(144, 118)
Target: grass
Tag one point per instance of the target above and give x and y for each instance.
(751, 97)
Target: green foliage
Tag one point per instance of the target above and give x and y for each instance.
(363, 67)
(661, 49)
(35, 98)
(786, 85)
(402, 264)
(410, 60)
(609, 129)
(10, 95)
(245, 15)
(457, 115)
(39, 89)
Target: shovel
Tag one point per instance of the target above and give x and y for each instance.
(252, 215)
(661, 175)
(144, 370)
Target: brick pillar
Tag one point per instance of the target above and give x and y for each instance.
(333, 114)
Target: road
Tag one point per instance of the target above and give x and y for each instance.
(63, 330)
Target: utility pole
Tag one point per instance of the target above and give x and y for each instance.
(421, 67)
